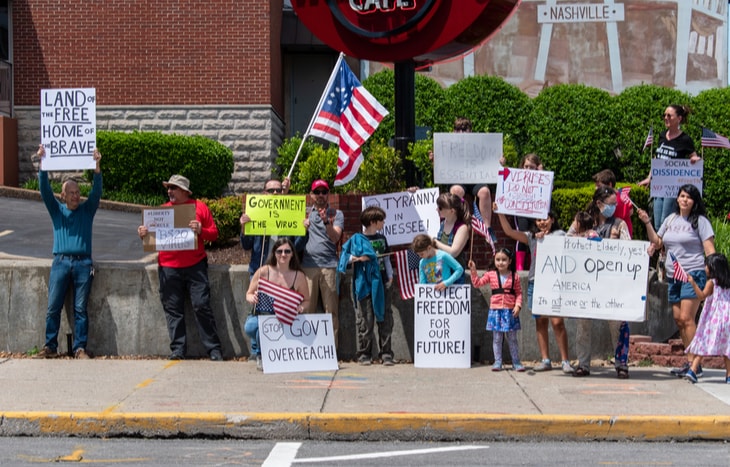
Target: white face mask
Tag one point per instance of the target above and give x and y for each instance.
(608, 210)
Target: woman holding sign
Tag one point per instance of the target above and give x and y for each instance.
(453, 232)
(282, 271)
(533, 238)
(602, 211)
(687, 234)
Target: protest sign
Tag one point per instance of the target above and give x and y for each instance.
(466, 157)
(591, 278)
(407, 214)
(307, 345)
(68, 128)
(275, 214)
(168, 228)
(442, 327)
(525, 193)
(667, 175)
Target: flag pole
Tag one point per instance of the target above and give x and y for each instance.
(316, 111)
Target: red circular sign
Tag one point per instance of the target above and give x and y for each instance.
(426, 31)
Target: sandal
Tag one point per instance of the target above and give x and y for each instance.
(581, 372)
(622, 373)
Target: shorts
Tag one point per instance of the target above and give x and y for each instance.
(679, 291)
(530, 294)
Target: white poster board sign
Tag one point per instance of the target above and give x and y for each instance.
(525, 193)
(407, 214)
(667, 175)
(169, 229)
(442, 327)
(580, 278)
(466, 157)
(307, 345)
(68, 128)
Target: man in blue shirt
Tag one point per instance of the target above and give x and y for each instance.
(72, 265)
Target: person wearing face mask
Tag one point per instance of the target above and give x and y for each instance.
(603, 209)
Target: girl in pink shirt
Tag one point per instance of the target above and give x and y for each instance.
(504, 306)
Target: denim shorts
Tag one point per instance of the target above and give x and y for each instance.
(679, 291)
(530, 294)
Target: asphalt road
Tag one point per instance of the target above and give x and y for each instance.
(26, 231)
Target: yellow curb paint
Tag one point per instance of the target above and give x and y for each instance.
(75, 456)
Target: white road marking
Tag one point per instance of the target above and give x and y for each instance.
(282, 455)
(5, 232)
(376, 455)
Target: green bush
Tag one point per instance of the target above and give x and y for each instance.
(721, 227)
(381, 171)
(320, 163)
(226, 213)
(139, 162)
(572, 129)
(492, 105)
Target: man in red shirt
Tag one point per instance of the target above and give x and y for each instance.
(181, 271)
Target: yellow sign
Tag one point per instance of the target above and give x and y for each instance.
(275, 214)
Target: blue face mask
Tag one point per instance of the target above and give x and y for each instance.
(608, 210)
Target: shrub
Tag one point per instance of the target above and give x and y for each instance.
(139, 162)
(572, 129)
(381, 171)
(226, 213)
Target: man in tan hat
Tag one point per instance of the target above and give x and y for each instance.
(319, 261)
(183, 270)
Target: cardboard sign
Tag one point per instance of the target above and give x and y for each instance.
(591, 278)
(168, 228)
(442, 327)
(667, 175)
(466, 157)
(68, 128)
(307, 345)
(525, 193)
(407, 214)
(275, 214)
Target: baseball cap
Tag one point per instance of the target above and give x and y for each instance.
(320, 184)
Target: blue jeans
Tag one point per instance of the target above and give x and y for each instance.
(251, 328)
(69, 270)
(663, 207)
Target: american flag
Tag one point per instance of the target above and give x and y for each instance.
(477, 223)
(348, 115)
(649, 138)
(679, 273)
(406, 263)
(710, 139)
(624, 194)
(285, 301)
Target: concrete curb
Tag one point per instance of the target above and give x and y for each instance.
(368, 427)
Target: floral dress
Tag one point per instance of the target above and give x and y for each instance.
(713, 329)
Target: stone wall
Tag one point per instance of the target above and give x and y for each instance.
(252, 132)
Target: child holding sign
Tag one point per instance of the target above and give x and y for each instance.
(504, 306)
(436, 266)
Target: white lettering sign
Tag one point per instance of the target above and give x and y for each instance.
(307, 345)
(155, 219)
(407, 214)
(442, 327)
(466, 157)
(525, 193)
(667, 175)
(68, 128)
(580, 13)
(591, 278)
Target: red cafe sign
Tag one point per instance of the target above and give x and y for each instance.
(394, 30)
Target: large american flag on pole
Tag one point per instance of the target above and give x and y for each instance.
(406, 264)
(285, 301)
(710, 139)
(348, 115)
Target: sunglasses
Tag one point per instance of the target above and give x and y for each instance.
(668, 116)
(320, 192)
(283, 252)
(274, 190)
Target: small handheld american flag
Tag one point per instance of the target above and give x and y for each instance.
(285, 301)
(407, 262)
(679, 273)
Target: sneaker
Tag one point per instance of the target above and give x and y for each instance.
(215, 355)
(545, 365)
(681, 371)
(81, 354)
(497, 366)
(259, 363)
(690, 376)
(518, 367)
(699, 372)
(727, 380)
(364, 360)
(46, 352)
(176, 356)
(388, 360)
(567, 367)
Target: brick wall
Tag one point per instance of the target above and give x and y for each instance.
(150, 52)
